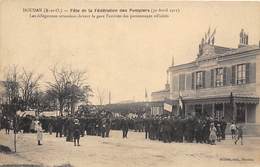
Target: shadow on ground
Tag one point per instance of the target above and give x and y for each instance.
(5, 149)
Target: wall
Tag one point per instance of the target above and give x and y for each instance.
(241, 90)
(258, 87)
(248, 89)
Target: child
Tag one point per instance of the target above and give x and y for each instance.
(218, 132)
(239, 134)
(233, 130)
(213, 135)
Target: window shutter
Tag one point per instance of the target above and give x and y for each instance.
(192, 80)
(224, 76)
(203, 79)
(252, 72)
(247, 72)
(212, 77)
(233, 81)
(181, 81)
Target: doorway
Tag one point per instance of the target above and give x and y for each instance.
(241, 111)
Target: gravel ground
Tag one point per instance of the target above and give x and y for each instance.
(132, 152)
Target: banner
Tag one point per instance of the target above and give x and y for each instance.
(167, 107)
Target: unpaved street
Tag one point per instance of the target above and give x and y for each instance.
(132, 152)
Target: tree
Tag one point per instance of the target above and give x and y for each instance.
(11, 85)
(101, 95)
(48, 101)
(29, 84)
(69, 87)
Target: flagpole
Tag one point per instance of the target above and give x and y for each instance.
(179, 111)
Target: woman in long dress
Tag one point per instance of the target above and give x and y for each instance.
(212, 135)
(38, 128)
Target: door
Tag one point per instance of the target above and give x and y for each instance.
(241, 110)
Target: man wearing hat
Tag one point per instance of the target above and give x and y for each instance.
(76, 132)
(125, 127)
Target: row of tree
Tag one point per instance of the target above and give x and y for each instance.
(27, 90)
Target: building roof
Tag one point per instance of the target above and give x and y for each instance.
(219, 51)
(161, 91)
(222, 50)
(243, 49)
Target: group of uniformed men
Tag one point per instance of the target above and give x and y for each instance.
(190, 129)
(166, 129)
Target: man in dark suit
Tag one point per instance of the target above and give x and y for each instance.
(125, 127)
(223, 125)
(108, 126)
(146, 128)
(76, 132)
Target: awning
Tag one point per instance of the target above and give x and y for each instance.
(216, 100)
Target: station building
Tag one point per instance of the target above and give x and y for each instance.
(220, 82)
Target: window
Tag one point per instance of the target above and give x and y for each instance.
(199, 79)
(241, 74)
(182, 81)
(219, 77)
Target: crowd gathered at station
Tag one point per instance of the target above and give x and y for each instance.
(165, 128)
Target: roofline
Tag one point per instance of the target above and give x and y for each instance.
(193, 63)
(160, 91)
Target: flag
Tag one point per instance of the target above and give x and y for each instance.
(213, 40)
(209, 31)
(205, 38)
(167, 107)
(180, 101)
(214, 32)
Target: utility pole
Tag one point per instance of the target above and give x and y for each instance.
(15, 130)
(15, 122)
(109, 97)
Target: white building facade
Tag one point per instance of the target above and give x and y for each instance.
(220, 82)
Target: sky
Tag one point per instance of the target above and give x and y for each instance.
(125, 56)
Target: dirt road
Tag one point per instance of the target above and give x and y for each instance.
(132, 152)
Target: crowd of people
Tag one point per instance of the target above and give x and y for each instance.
(163, 128)
(190, 129)
(70, 127)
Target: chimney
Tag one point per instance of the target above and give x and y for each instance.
(172, 60)
(243, 39)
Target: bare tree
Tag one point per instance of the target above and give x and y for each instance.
(101, 95)
(69, 87)
(48, 101)
(29, 84)
(11, 85)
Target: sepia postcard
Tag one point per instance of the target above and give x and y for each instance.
(129, 83)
